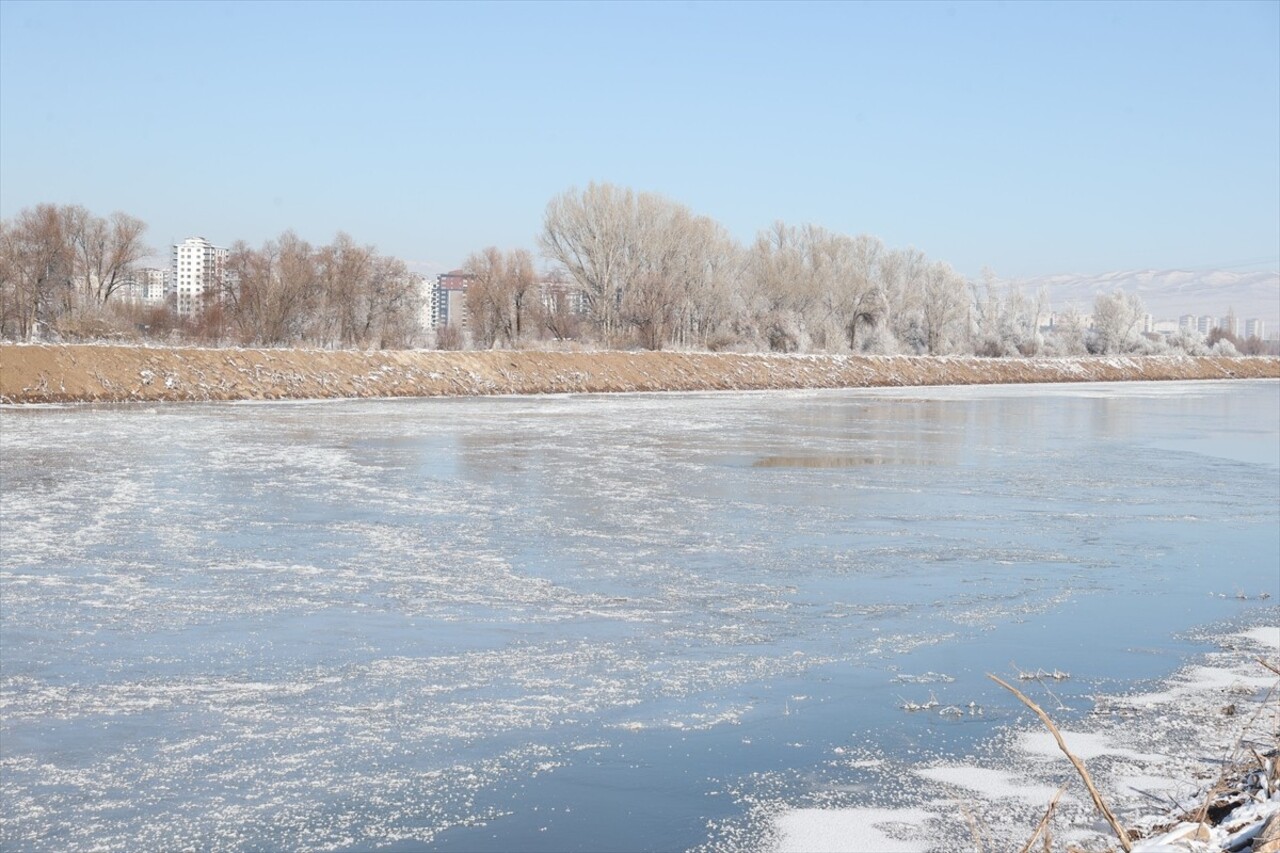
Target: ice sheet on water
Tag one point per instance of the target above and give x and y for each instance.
(390, 610)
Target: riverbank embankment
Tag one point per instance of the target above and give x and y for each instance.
(106, 373)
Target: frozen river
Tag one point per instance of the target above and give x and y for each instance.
(583, 622)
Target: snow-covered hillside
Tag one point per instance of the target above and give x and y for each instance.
(1171, 293)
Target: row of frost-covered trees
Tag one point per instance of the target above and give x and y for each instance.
(623, 269)
(652, 274)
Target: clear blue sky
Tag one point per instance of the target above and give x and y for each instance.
(1033, 138)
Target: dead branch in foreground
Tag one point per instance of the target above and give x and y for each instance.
(1098, 802)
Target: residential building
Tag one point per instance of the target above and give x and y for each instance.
(450, 302)
(198, 272)
(1255, 328)
(154, 285)
(429, 314)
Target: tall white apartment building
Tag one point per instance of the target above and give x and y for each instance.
(1255, 328)
(199, 268)
(450, 304)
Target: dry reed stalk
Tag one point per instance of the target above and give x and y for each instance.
(974, 830)
(1098, 802)
(1043, 825)
(1269, 666)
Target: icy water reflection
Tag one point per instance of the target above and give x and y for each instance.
(580, 623)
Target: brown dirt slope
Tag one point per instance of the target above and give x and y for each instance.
(104, 373)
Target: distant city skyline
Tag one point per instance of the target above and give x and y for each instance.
(1034, 139)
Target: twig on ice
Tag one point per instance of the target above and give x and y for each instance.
(1101, 804)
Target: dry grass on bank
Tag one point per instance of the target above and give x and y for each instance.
(105, 373)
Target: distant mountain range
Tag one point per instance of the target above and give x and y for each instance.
(1169, 294)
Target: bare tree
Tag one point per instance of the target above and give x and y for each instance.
(107, 251)
(592, 235)
(522, 294)
(391, 303)
(1116, 317)
(649, 307)
(55, 259)
(903, 279)
(943, 308)
(710, 301)
(487, 313)
(781, 287)
(502, 297)
(1005, 321)
(1068, 336)
(862, 298)
(343, 268)
(272, 292)
(38, 269)
(611, 240)
(11, 303)
(556, 312)
(670, 272)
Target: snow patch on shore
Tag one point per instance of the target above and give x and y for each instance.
(992, 784)
(1084, 745)
(1267, 635)
(852, 830)
(1199, 680)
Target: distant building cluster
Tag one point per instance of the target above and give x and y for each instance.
(1251, 328)
(1147, 324)
(197, 270)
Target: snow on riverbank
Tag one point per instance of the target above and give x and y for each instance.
(103, 373)
(1155, 755)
